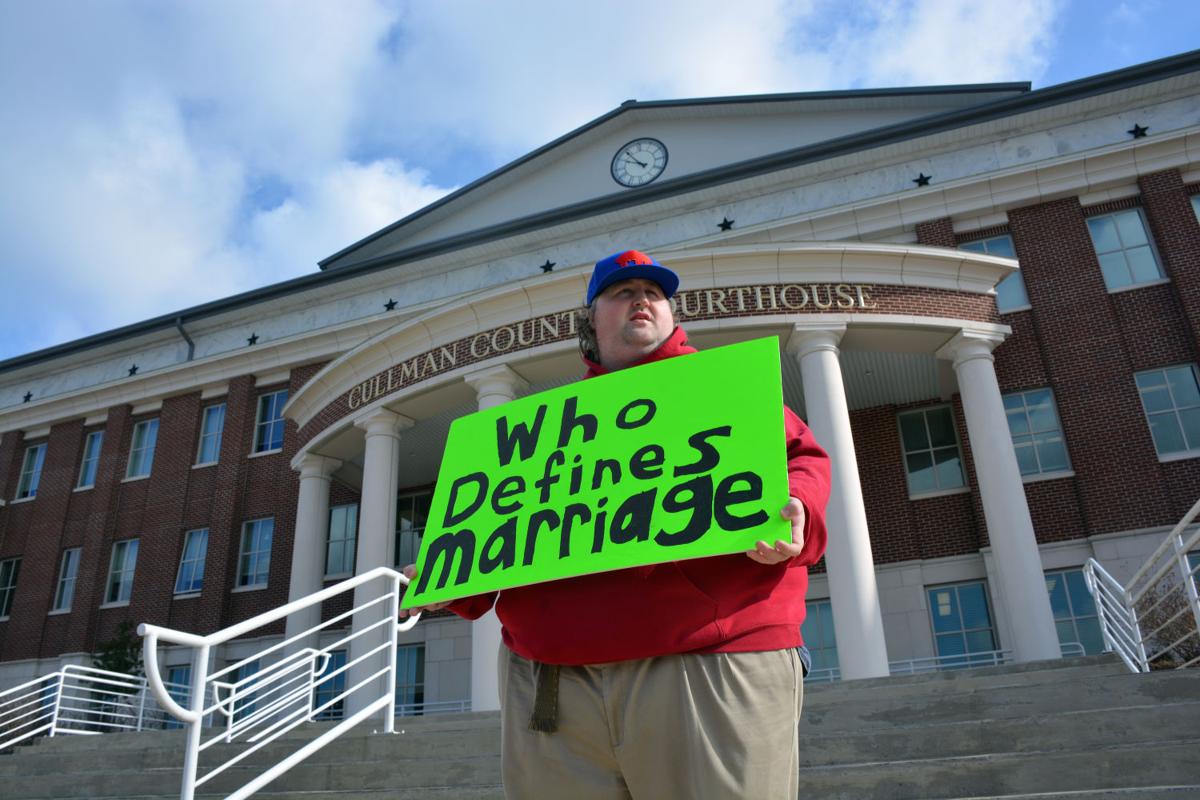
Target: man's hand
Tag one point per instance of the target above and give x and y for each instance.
(782, 551)
(410, 572)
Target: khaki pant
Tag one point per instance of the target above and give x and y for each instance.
(694, 727)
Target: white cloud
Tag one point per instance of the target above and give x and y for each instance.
(136, 138)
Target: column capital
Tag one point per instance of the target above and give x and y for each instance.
(382, 422)
(312, 465)
(498, 379)
(970, 344)
(809, 337)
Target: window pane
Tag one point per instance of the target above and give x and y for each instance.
(1153, 389)
(1041, 411)
(1018, 420)
(1168, 438)
(980, 641)
(1082, 603)
(1026, 457)
(1130, 228)
(941, 427)
(977, 246)
(1090, 636)
(1066, 630)
(1115, 270)
(1010, 293)
(912, 431)
(1184, 391)
(943, 608)
(951, 644)
(1190, 419)
(1143, 264)
(1001, 246)
(1104, 234)
(1052, 453)
(948, 468)
(920, 472)
(974, 606)
(1057, 587)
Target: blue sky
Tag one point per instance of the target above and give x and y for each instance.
(157, 155)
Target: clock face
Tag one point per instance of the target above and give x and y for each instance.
(639, 162)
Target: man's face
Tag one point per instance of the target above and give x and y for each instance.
(631, 318)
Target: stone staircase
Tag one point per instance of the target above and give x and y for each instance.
(1077, 729)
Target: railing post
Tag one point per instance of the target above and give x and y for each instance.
(191, 756)
(57, 702)
(389, 723)
(1189, 581)
(142, 705)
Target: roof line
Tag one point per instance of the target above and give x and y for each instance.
(1084, 87)
(633, 105)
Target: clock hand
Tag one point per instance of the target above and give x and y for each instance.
(639, 163)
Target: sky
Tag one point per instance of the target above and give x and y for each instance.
(158, 154)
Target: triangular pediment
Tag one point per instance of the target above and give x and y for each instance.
(697, 137)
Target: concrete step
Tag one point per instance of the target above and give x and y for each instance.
(381, 775)
(952, 704)
(1122, 766)
(1045, 732)
(1064, 670)
(1189, 791)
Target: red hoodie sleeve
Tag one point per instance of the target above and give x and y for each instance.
(808, 480)
(473, 607)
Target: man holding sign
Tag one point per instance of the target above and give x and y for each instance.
(676, 679)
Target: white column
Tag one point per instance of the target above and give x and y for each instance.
(853, 593)
(308, 547)
(493, 386)
(376, 523)
(1022, 587)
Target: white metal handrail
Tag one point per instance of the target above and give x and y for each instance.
(78, 700)
(432, 707)
(262, 706)
(1153, 621)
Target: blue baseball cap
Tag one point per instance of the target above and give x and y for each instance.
(630, 264)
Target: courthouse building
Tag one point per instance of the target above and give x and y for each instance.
(987, 300)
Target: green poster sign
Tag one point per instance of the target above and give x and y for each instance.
(677, 459)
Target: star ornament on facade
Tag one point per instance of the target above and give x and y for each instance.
(725, 224)
(252, 339)
(133, 370)
(922, 179)
(1137, 131)
(390, 305)
(27, 398)
(549, 266)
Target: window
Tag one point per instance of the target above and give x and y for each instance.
(268, 433)
(9, 569)
(120, 571)
(191, 562)
(91, 459)
(212, 422)
(931, 456)
(410, 679)
(179, 687)
(1126, 257)
(1171, 401)
(141, 451)
(1036, 432)
(254, 561)
(1010, 292)
(1074, 610)
(962, 624)
(411, 513)
(31, 471)
(329, 686)
(818, 635)
(1193, 561)
(340, 543)
(1196, 206)
(68, 569)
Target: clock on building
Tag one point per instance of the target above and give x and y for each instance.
(639, 162)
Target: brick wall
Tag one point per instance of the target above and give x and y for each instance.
(158, 511)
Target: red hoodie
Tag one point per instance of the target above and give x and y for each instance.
(705, 605)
